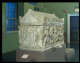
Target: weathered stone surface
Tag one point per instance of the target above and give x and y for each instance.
(39, 31)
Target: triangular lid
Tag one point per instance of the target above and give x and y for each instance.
(38, 18)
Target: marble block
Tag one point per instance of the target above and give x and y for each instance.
(40, 31)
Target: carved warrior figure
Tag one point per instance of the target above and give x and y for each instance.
(39, 30)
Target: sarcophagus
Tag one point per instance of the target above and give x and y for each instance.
(40, 31)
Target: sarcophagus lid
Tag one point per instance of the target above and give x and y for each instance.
(39, 18)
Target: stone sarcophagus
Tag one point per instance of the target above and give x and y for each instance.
(40, 31)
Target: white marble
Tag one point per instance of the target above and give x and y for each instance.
(40, 30)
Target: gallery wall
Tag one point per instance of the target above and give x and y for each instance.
(10, 41)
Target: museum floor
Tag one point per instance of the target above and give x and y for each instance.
(11, 56)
